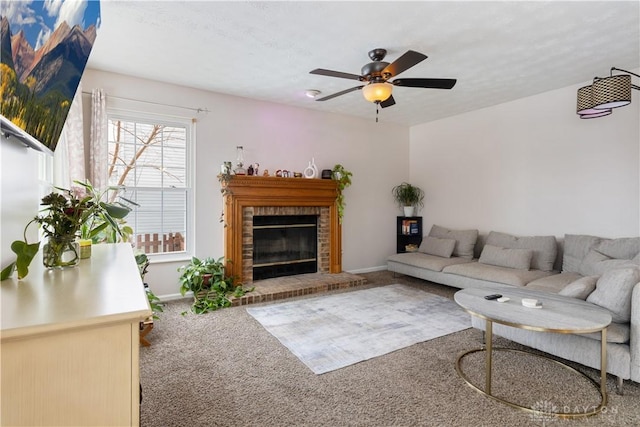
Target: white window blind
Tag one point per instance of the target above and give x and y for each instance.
(150, 158)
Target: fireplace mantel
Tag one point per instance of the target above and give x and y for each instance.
(245, 192)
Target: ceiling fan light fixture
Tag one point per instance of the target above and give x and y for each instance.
(377, 92)
(312, 93)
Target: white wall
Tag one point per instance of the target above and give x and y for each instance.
(278, 137)
(531, 167)
(19, 195)
(525, 167)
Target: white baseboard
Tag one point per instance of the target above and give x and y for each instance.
(170, 297)
(368, 270)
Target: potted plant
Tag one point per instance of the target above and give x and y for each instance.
(106, 224)
(211, 288)
(61, 218)
(343, 177)
(408, 197)
(224, 177)
(154, 302)
(64, 218)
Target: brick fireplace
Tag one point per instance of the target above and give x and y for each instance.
(249, 196)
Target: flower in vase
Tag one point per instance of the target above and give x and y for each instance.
(63, 214)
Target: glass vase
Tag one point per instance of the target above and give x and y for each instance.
(61, 252)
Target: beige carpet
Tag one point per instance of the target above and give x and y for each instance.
(224, 369)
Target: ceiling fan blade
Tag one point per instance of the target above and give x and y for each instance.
(406, 61)
(330, 73)
(339, 93)
(388, 102)
(426, 83)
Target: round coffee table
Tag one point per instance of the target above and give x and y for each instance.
(558, 314)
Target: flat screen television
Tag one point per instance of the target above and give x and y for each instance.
(45, 46)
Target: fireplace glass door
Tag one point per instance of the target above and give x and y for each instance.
(284, 245)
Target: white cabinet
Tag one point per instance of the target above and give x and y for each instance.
(70, 342)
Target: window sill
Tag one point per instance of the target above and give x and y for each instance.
(168, 258)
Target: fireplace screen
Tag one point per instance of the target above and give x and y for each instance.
(284, 245)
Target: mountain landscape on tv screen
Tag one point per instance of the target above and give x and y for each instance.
(39, 83)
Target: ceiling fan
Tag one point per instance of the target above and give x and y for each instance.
(376, 75)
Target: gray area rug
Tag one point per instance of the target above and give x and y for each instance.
(330, 332)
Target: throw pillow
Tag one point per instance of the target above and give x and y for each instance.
(621, 248)
(545, 248)
(576, 247)
(437, 246)
(465, 239)
(506, 257)
(596, 263)
(580, 288)
(613, 292)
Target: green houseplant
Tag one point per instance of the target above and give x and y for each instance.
(154, 302)
(61, 218)
(224, 177)
(409, 197)
(64, 218)
(343, 177)
(211, 288)
(106, 224)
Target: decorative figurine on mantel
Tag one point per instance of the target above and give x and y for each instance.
(312, 170)
(266, 172)
(239, 170)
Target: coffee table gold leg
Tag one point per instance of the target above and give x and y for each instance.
(603, 366)
(489, 342)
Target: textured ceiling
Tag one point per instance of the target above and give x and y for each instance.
(498, 51)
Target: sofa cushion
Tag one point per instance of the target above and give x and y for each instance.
(545, 248)
(576, 247)
(465, 239)
(613, 292)
(506, 257)
(437, 246)
(554, 283)
(580, 288)
(618, 333)
(596, 263)
(429, 262)
(492, 273)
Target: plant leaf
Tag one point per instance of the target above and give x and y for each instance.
(7, 271)
(114, 211)
(94, 232)
(25, 254)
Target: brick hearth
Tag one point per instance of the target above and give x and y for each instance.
(280, 288)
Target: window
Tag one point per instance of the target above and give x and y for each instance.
(150, 158)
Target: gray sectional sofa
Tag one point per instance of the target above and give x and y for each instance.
(605, 272)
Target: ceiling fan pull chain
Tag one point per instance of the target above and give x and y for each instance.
(377, 105)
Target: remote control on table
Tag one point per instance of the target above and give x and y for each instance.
(493, 297)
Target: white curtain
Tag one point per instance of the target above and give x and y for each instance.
(98, 146)
(69, 158)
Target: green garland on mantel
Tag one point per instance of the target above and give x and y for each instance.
(338, 174)
(343, 178)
